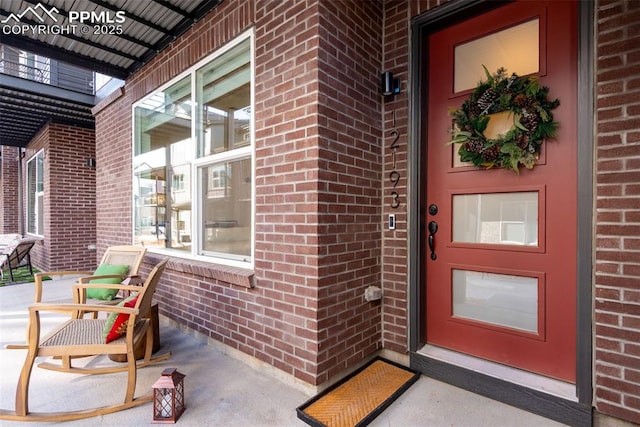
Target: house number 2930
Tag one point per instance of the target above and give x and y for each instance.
(394, 175)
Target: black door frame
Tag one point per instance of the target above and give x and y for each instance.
(562, 410)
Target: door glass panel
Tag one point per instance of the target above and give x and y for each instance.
(496, 218)
(515, 48)
(498, 299)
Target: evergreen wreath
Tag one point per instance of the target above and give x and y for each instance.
(525, 100)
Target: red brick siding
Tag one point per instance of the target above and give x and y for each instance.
(349, 174)
(395, 111)
(113, 129)
(396, 46)
(617, 290)
(317, 186)
(9, 202)
(69, 199)
(72, 198)
(286, 256)
(113, 175)
(322, 137)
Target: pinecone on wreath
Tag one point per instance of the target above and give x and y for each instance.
(522, 140)
(473, 109)
(530, 121)
(525, 100)
(474, 146)
(522, 101)
(490, 154)
(487, 99)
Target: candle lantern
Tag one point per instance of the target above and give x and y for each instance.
(168, 397)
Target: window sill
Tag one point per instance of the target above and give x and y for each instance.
(232, 275)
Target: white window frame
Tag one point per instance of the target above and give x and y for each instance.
(242, 152)
(38, 197)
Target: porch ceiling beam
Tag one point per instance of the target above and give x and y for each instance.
(88, 42)
(12, 142)
(124, 36)
(10, 135)
(7, 114)
(177, 31)
(14, 137)
(130, 15)
(23, 98)
(172, 7)
(40, 90)
(14, 131)
(45, 110)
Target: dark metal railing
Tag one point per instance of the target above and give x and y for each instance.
(25, 71)
(40, 69)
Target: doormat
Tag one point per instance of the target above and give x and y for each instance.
(359, 398)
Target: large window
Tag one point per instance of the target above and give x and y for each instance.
(35, 196)
(193, 161)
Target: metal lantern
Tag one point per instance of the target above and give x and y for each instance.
(168, 397)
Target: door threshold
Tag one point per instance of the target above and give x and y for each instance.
(557, 388)
(550, 398)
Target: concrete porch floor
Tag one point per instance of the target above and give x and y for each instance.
(222, 388)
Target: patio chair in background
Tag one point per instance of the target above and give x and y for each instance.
(81, 336)
(15, 256)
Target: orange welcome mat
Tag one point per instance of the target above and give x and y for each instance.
(360, 397)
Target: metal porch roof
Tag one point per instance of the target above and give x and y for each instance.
(112, 37)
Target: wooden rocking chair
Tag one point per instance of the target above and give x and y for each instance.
(129, 255)
(82, 336)
(115, 255)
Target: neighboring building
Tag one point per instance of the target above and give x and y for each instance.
(56, 199)
(257, 151)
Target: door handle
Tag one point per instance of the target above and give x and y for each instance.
(433, 229)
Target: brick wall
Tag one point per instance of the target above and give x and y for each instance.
(318, 168)
(113, 129)
(201, 296)
(396, 123)
(349, 174)
(395, 110)
(69, 199)
(70, 228)
(113, 176)
(286, 256)
(617, 288)
(323, 138)
(9, 203)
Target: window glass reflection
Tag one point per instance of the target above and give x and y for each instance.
(496, 218)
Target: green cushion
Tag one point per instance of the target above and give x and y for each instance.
(106, 269)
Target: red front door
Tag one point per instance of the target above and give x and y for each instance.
(502, 285)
